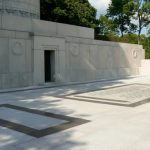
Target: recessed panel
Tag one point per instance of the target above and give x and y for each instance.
(131, 93)
(29, 119)
(126, 95)
(34, 122)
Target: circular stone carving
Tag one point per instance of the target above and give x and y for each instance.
(134, 53)
(17, 49)
(74, 49)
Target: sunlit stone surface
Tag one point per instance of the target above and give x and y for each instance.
(34, 52)
(124, 94)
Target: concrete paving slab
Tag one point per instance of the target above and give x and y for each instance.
(10, 138)
(111, 127)
(28, 119)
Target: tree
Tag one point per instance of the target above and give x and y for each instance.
(148, 33)
(107, 25)
(141, 14)
(145, 41)
(121, 12)
(76, 12)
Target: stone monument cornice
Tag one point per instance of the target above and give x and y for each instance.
(23, 8)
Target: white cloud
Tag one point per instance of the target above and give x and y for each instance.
(100, 5)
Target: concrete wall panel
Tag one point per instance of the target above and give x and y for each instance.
(29, 56)
(17, 55)
(107, 60)
(44, 28)
(145, 68)
(38, 67)
(4, 52)
(16, 23)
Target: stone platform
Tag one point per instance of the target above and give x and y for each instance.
(61, 118)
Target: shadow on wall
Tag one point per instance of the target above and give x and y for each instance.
(95, 60)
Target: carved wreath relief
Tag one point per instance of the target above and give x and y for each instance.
(134, 53)
(74, 49)
(17, 48)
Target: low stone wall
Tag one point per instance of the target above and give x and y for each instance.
(145, 67)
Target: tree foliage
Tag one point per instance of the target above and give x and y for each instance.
(107, 25)
(141, 14)
(121, 12)
(76, 12)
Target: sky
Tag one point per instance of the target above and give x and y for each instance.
(100, 5)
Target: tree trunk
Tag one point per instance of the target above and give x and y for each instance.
(122, 34)
(139, 31)
(139, 36)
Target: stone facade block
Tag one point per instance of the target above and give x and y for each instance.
(17, 54)
(4, 53)
(23, 8)
(16, 23)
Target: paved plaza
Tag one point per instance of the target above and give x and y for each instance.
(108, 115)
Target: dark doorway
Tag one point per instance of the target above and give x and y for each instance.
(49, 65)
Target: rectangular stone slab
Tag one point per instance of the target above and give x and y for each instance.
(29, 119)
(129, 95)
(53, 122)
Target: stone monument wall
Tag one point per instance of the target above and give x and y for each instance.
(90, 60)
(16, 54)
(77, 56)
(80, 58)
(16, 44)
